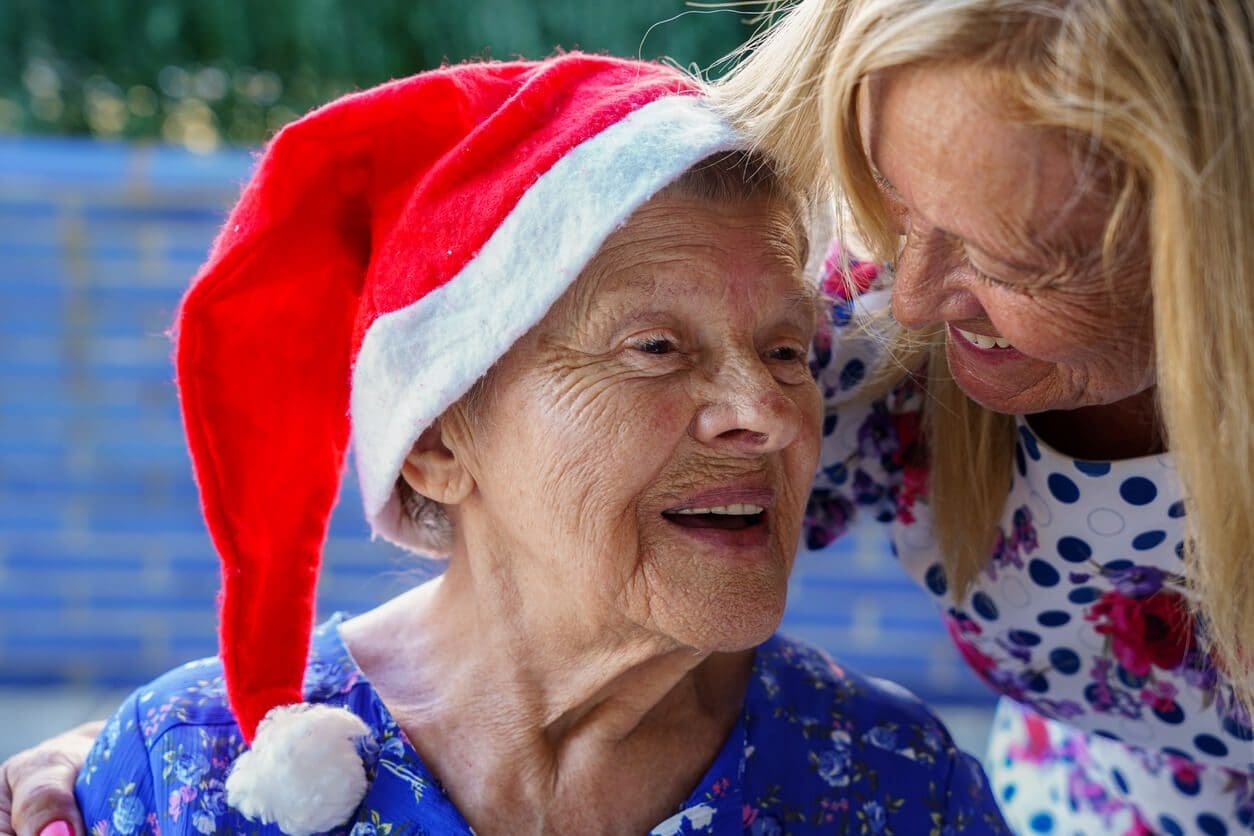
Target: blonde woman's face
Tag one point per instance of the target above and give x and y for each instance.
(1002, 231)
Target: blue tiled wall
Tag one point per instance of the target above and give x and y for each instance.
(106, 574)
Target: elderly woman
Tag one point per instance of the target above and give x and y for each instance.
(1055, 415)
(572, 310)
(1048, 397)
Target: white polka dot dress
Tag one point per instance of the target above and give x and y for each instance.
(1114, 717)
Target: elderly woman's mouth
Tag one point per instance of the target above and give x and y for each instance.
(733, 517)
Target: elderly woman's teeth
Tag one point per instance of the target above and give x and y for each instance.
(983, 341)
(733, 517)
(737, 509)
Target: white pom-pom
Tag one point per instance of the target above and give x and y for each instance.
(303, 771)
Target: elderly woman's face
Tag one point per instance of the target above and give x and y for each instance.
(645, 453)
(1002, 246)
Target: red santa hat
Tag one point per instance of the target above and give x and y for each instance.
(389, 248)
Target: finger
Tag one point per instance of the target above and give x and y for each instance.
(6, 801)
(40, 783)
(44, 798)
(57, 828)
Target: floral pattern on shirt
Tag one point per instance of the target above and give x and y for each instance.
(818, 749)
(1080, 617)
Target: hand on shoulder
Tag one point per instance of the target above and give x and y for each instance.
(37, 785)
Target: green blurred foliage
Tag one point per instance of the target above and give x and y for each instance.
(206, 72)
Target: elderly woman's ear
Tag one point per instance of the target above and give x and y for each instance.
(434, 469)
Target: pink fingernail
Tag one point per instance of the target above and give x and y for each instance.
(57, 828)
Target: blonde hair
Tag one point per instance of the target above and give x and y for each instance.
(1163, 92)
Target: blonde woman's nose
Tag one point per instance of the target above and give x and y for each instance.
(747, 413)
(926, 286)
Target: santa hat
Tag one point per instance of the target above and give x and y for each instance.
(389, 248)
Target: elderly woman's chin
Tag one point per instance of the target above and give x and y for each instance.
(718, 599)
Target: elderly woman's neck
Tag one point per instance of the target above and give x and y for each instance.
(487, 689)
(562, 672)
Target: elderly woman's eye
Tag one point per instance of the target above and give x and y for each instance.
(655, 345)
(786, 354)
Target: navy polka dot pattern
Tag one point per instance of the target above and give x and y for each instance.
(1042, 823)
(1025, 638)
(1074, 550)
(1148, 540)
(1169, 826)
(1053, 618)
(1211, 825)
(935, 579)
(1083, 595)
(1169, 712)
(1093, 468)
(1043, 573)
(1029, 444)
(1138, 490)
(985, 606)
(853, 372)
(1064, 660)
(1114, 717)
(1063, 489)
(1121, 783)
(1211, 745)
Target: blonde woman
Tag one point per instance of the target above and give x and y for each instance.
(1054, 421)
(1065, 194)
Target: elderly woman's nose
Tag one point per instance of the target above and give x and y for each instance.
(749, 415)
(927, 287)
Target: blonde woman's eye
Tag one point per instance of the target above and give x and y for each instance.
(985, 277)
(979, 274)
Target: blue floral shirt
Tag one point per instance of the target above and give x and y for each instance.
(818, 749)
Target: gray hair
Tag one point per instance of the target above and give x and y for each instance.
(728, 177)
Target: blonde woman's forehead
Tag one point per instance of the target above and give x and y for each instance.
(943, 147)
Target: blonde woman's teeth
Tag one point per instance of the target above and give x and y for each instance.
(739, 509)
(982, 341)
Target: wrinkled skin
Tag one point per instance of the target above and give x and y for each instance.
(676, 366)
(673, 373)
(609, 644)
(37, 785)
(1002, 227)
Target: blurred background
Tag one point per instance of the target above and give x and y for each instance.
(126, 130)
